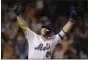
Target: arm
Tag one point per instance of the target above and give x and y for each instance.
(69, 24)
(28, 33)
(65, 29)
(22, 23)
(20, 20)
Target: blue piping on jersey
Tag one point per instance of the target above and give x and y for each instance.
(60, 36)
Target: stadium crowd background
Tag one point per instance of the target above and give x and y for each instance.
(15, 46)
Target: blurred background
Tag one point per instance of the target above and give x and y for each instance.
(15, 46)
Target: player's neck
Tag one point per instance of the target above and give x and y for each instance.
(44, 37)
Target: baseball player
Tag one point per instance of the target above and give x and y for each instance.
(41, 46)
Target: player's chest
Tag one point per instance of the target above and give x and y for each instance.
(42, 45)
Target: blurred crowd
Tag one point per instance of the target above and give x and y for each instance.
(13, 42)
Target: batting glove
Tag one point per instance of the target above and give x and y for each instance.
(17, 10)
(73, 15)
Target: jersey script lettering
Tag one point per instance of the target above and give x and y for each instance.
(42, 47)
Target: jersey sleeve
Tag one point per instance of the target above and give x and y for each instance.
(58, 37)
(29, 34)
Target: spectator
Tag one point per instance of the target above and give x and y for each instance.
(8, 51)
(10, 26)
(21, 46)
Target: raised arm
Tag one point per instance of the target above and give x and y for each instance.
(22, 23)
(28, 33)
(69, 24)
(20, 20)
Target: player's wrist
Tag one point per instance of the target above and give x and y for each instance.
(71, 19)
(17, 13)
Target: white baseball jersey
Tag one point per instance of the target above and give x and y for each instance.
(39, 48)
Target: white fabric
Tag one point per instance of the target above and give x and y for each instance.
(35, 40)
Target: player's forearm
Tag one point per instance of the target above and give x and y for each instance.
(68, 26)
(65, 29)
(21, 22)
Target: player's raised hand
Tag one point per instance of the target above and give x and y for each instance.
(17, 10)
(73, 15)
